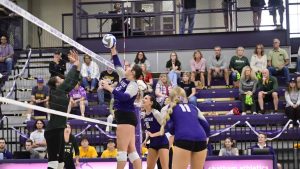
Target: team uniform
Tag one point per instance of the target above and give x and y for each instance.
(54, 133)
(189, 127)
(125, 94)
(152, 122)
(69, 147)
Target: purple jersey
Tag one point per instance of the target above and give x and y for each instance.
(152, 123)
(188, 123)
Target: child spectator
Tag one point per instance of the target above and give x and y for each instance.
(189, 87)
(162, 89)
(229, 148)
(111, 151)
(85, 150)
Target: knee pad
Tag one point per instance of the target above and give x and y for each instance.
(53, 164)
(122, 156)
(61, 165)
(133, 156)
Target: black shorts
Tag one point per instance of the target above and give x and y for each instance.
(165, 146)
(125, 117)
(193, 146)
(268, 98)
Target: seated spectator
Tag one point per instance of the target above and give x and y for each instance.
(113, 78)
(140, 59)
(111, 151)
(4, 153)
(217, 67)
(267, 88)
(189, 88)
(162, 89)
(247, 88)
(262, 143)
(57, 67)
(258, 60)
(278, 61)
(292, 98)
(237, 63)
(70, 146)
(39, 96)
(6, 54)
(198, 68)
(86, 151)
(147, 77)
(28, 146)
(78, 98)
(90, 73)
(39, 141)
(69, 64)
(174, 67)
(229, 148)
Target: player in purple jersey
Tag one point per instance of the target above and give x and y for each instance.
(159, 144)
(190, 130)
(124, 95)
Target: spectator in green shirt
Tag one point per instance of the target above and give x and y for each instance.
(278, 61)
(237, 63)
(267, 87)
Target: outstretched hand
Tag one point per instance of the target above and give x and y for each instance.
(74, 58)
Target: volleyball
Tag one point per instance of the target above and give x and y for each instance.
(109, 40)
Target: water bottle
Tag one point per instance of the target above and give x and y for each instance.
(1, 156)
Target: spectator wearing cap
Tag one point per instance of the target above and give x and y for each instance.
(278, 61)
(78, 98)
(28, 146)
(38, 138)
(292, 98)
(85, 150)
(111, 151)
(4, 153)
(57, 67)
(6, 54)
(39, 96)
(267, 87)
(90, 73)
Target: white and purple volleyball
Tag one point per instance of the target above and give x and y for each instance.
(109, 40)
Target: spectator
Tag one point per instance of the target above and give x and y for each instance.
(69, 64)
(229, 148)
(90, 73)
(273, 6)
(39, 96)
(86, 151)
(189, 88)
(147, 77)
(4, 153)
(113, 78)
(278, 61)
(70, 145)
(258, 60)
(247, 88)
(6, 54)
(118, 22)
(292, 98)
(111, 151)
(39, 141)
(174, 67)
(28, 146)
(78, 98)
(188, 10)
(227, 6)
(162, 89)
(140, 59)
(198, 68)
(267, 88)
(217, 67)
(57, 67)
(256, 6)
(262, 143)
(237, 63)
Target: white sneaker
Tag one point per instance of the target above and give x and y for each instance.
(254, 113)
(291, 126)
(243, 113)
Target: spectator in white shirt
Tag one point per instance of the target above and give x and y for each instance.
(90, 73)
(39, 141)
(259, 59)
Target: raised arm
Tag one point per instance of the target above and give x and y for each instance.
(117, 63)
